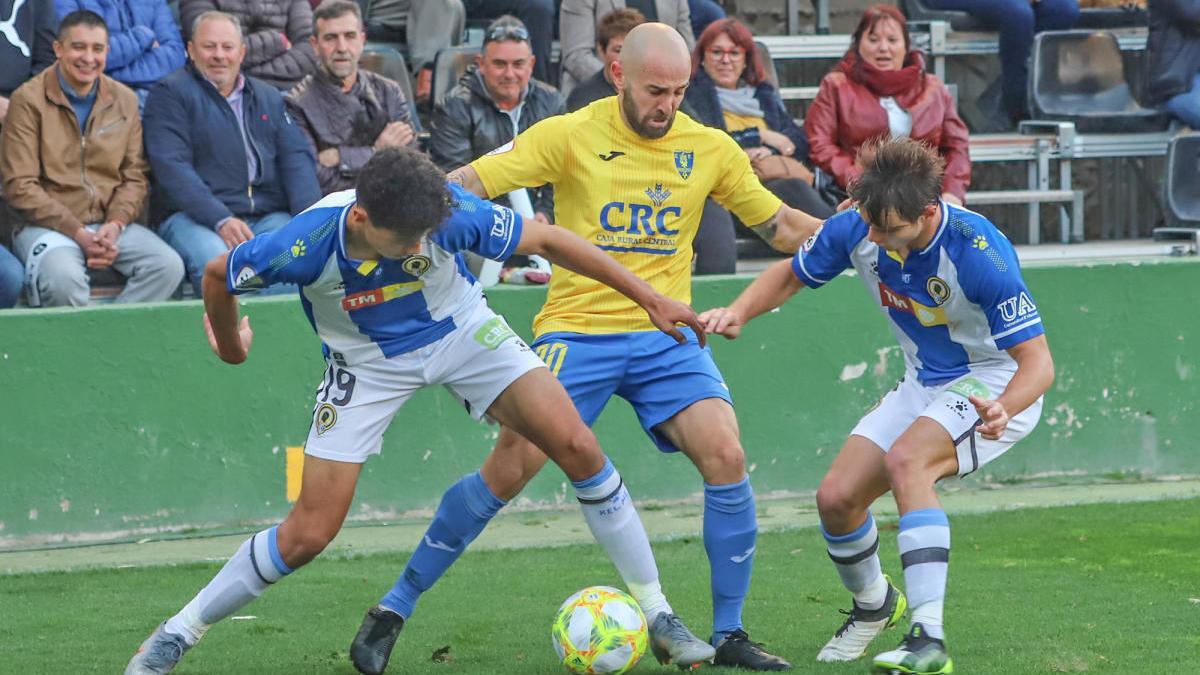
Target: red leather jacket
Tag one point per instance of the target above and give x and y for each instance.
(846, 114)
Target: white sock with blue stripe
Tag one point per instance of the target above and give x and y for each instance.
(924, 543)
(856, 557)
(256, 565)
(614, 522)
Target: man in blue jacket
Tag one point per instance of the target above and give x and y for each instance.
(144, 44)
(219, 191)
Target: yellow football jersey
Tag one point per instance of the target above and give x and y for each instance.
(638, 199)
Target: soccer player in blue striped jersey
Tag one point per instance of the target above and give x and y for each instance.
(976, 367)
(383, 284)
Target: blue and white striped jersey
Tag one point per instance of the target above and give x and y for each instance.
(364, 310)
(954, 306)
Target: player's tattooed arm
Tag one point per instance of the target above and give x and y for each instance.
(787, 229)
(469, 179)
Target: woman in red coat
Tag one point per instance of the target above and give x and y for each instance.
(880, 88)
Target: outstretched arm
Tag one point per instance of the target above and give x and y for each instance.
(469, 179)
(771, 289)
(228, 339)
(567, 249)
(787, 229)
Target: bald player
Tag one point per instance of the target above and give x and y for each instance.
(630, 175)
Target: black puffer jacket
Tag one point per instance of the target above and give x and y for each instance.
(265, 23)
(467, 125)
(1172, 48)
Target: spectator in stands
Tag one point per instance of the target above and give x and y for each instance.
(495, 100)
(12, 278)
(75, 175)
(345, 112)
(1017, 21)
(536, 15)
(730, 91)
(1173, 59)
(278, 50)
(144, 44)
(610, 36)
(26, 35)
(577, 31)
(218, 191)
(424, 25)
(703, 14)
(880, 88)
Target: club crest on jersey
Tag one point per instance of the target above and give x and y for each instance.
(325, 418)
(938, 289)
(658, 195)
(684, 161)
(416, 265)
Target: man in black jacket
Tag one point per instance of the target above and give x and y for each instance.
(229, 164)
(495, 100)
(26, 37)
(1173, 58)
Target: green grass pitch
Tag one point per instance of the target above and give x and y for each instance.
(1105, 588)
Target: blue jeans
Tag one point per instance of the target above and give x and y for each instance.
(197, 244)
(12, 278)
(703, 13)
(1017, 21)
(1186, 106)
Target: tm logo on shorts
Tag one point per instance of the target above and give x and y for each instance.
(493, 333)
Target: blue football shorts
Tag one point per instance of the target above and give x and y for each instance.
(656, 375)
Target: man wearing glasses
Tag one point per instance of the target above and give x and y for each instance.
(976, 367)
(496, 99)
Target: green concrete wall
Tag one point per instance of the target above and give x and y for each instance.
(118, 421)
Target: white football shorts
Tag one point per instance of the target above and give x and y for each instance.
(355, 405)
(947, 404)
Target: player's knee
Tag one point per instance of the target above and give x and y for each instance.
(725, 463)
(904, 464)
(308, 542)
(835, 500)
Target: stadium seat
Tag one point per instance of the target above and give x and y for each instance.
(916, 10)
(388, 62)
(1111, 17)
(764, 55)
(449, 65)
(1182, 183)
(1079, 76)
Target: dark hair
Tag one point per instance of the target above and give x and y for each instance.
(900, 175)
(402, 190)
(335, 9)
(506, 28)
(871, 18)
(617, 23)
(80, 17)
(742, 38)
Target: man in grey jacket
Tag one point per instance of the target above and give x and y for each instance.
(496, 99)
(345, 112)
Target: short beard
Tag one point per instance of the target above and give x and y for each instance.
(635, 122)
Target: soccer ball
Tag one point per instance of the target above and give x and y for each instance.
(599, 630)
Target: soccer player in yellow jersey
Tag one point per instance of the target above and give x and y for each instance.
(631, 176)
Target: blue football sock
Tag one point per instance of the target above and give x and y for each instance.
(464, 511)
(730, 531)
(924, 543)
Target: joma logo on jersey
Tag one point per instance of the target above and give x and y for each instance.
(1017, 307)
(639, 218)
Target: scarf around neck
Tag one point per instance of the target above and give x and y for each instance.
(739, 101)
(904, 84)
